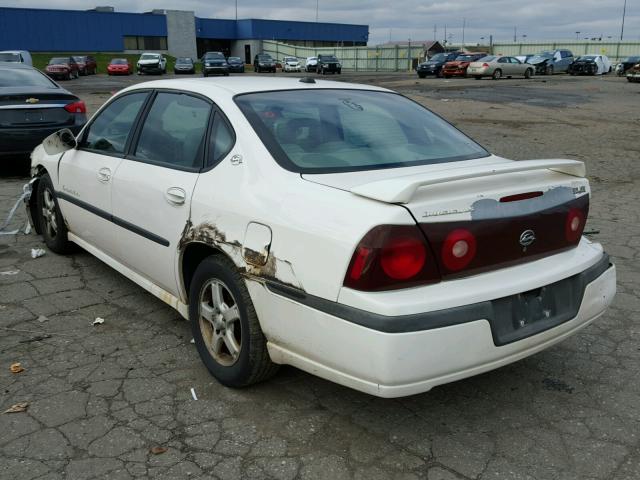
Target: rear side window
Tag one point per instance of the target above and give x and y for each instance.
(221, 142)
(334, 130)
(111, 127)
(174, 130)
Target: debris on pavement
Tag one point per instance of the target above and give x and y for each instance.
(193, 340)
(10, 272)
(42, 319)
(193, 393)
(158, 450)
(16, 367)
(37, 252)
(17, 408)
(98, 321)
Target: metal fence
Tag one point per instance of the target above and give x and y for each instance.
(614, 50)
(379, 59)
(405, 57)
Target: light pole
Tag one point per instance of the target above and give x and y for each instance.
(577, 35)
(317, 6)
(624, 11)
(464, 24)
(236, 10)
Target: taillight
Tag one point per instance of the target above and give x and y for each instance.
(458, 249)
(391, 257)
(76, 107)
(485, 65)
(574, 225)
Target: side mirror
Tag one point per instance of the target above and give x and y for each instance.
(60, 141)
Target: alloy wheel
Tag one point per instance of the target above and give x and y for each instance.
(49, 214)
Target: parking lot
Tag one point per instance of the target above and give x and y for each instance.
(102, 397)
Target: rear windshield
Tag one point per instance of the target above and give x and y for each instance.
(58, 60)
(118, 61)
(488, 58)
(24, 77)
(335, 130)
(328, 58)
(466, 58)
(9, 57)
(264, 57)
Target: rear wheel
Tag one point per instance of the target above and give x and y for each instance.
(497, 74)
(528, 73)
(225, 326)
(550, 70)
(477, 77)
(54, 230)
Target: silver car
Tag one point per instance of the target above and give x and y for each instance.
(498, 67)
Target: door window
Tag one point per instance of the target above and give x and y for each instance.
(110, 129)
(173, 132)
(503, 60)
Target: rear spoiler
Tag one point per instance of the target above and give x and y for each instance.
(402, 189)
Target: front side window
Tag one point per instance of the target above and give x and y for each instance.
(333, 130)
(173, 132)
(111, 127)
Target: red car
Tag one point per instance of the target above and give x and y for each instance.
(119, 66)
(64, 68)
(87, 64)
(458, 67)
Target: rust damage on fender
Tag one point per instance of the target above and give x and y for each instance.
(255, 268)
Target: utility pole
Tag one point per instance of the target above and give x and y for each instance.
(464, 23)
(624, 11)
(435, 32)
(515, 34)
(236, 10)
(445, 34)
(317, 2)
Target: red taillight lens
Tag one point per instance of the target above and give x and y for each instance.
(76, 107)
(485, 65)
(403, 258)
(391, 257)
(458, 249)
(574, 225)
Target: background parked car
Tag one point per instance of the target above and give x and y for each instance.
(498, 67)
(458, 67)
(310, 64)
(119, 66)
(16, 56)
(590, 65)
(633, 74)
(525, 58)
(328, 64)
(433, 66)
(626, 64)
(184, 65)
(236, 64)
(291, 64)
(214, 63)
(550, 62)
(263, 62)
(34, 107)
(63, 68)
(152, 63)
(86, 64)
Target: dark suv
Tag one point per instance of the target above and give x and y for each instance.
(433, 66)
(87, 65)
(328, 64)
(214, 62)
(263, 62)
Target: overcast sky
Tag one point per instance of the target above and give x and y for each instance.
(415, 19)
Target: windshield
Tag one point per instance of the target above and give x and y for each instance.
(588, 57)
(9, 57)
(264, 58)
(58, 60)
(290, 59)
(149, 56)
(631, 60)
(439, 57)
(24, 77)
(329, 58)
(118, 61)
(79, 59)
(234, 59)
(321, 131)
(184, 60)
(214, 56)
(465, 58)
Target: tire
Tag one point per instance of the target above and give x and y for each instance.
(205, 74)
(528, 73)
(549, 70)
(477, 77)
(233, 350)
(497, 74)
(54, 230)
(226, 74)
(68, 77)
(421, 75)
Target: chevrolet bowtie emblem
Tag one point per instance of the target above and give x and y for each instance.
(32, 100)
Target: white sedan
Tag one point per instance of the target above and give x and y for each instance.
(340, 228)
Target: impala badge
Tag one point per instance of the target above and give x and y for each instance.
(32, 100)
(527, 238)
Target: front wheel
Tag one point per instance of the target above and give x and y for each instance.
(528, 73)
(477, 77)
(550, 70)
(225, 326)
(497, 74)
(54, 230)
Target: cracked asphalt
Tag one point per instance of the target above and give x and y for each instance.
(102, 397)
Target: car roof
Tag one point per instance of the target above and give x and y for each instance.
(15, 65)
(249, 84)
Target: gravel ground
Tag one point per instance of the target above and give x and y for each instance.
(101, 397)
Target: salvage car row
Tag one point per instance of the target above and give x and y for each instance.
(482, 64)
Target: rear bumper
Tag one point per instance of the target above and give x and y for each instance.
(23, 141)
(413, 360)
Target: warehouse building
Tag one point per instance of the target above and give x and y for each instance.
(176, 32)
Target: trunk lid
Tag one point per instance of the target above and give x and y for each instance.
(34, 109)
(483, 214)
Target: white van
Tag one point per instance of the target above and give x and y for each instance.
(16, 56)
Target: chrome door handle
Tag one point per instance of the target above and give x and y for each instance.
(104, 174)
(176, 195)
